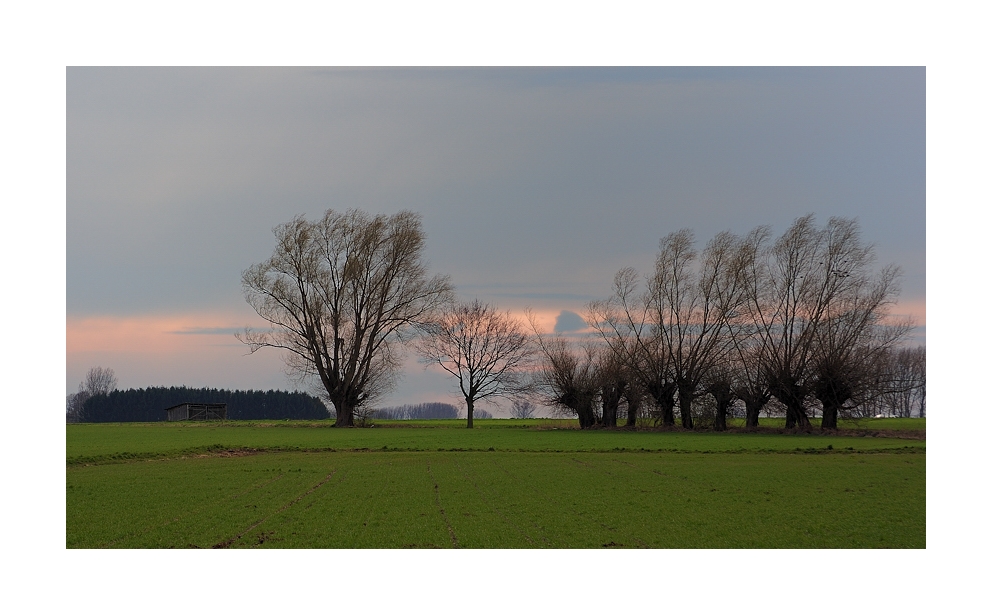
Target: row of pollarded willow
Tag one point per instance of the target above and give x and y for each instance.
(799, 318)
(803, 318)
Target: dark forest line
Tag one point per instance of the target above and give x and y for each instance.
(148, 405)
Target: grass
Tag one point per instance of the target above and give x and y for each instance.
(204, 485)
(92, 443)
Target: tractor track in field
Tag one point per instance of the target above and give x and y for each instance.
(493, 508)
(578, 512)
(191, 513)
(437, 503)
(227, 543)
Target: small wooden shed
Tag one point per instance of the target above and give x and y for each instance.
(197, 412)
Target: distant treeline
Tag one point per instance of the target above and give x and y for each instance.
(147, 405)
(433, 410)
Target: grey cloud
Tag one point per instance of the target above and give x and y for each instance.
(569, 321)
(542, 178)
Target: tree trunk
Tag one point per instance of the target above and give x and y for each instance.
(720, 421)
(795, 416)
(787, 390)
(344, 414)
(831, 393)
(587, 416)
(830, 412)
(685, 409)
(470, 404)
(667, 407)
(664, 398)
(633, 405)
(723, 394)
(611, 403)
(752, 408)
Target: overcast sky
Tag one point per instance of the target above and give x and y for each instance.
(535, 186)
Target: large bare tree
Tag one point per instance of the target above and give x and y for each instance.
(485, 350)
(624, 322)
(339, 294)
(814, 299)
(853, 343)
(693, 296)
(746, 359)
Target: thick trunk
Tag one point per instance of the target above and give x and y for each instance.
(723, 394)
(752, 408)
(792, 394)
(831, 393)
(787, 391)
(685, 408)
(344, 414)
(795, 416)
(611, 404)
(470, 404)
(587, 416)
(667, 407)
(633, 405)
(664, 397)
(610, 416)
(830, 412)
(722, 405)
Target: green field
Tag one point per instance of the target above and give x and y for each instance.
(508, 484)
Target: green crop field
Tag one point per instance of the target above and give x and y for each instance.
(508, 484)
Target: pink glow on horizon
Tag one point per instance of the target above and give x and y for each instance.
(544, 319)
(915, 309)
(159, 350)
(151, 334)
(199, 349)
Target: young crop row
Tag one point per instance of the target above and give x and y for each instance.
(501, 500)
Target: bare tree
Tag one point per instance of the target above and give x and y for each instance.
(567, 379)
(802, 275)
(624, 322)
(339, 294)
(907, 369)
(909, 366)
(484, 349)
(900, 389)
(817, 309)
(719, 383)
(750, 385)
(746, 360)
(853, 344)
(634, 397)
(74, 406)
(98, 381)
(691, 308)
(522, 409)
(614, 383)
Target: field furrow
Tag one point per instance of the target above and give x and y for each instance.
(760, 498)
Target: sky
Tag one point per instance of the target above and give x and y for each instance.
(535, 186)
